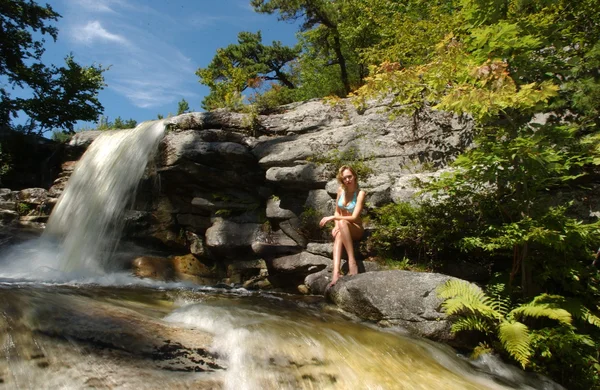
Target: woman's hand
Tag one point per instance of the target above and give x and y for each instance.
(325, 220)
(335, 231)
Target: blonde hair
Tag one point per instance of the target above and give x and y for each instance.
(339, 175)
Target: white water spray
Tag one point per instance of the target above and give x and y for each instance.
(84, 221)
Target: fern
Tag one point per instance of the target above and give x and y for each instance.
(542, 310)
(492, 315)
(471, 323)
(465, 297)
(515, 339)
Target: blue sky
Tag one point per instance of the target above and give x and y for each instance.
(154, 47)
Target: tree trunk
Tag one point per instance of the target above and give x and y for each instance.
(337, 47)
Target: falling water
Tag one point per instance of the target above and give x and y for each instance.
(84, 221)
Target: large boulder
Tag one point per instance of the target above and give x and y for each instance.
(396, 298)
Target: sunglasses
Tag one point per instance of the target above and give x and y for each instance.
(346, 178)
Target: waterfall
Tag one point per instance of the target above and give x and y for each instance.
(85, 221)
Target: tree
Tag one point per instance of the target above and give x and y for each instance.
(243, 65)
(322, 16)
(60, 95)
(505, 65)
(182, 107)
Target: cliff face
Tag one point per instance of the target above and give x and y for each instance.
(232, 189)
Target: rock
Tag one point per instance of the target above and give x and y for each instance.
(6, 195)
(194, 222)
(300, 176)
(298, 118)
(292, 228)
(275, 211)
(190, 146)
(216, 119)
(159, 268)
(33, 196)
(254, 272)
(196, 244)
(190, 265)
(321, 202)
(84, 138)
(290, 271)
(231, 239)
(274, 244)
(396, 298)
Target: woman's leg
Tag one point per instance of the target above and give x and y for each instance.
(337, 258)
(350, 232)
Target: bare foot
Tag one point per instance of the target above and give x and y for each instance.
(333, 282)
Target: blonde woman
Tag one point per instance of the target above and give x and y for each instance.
(348, 224)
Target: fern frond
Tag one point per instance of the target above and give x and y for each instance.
(501, 305)
(574, 306)
(537, 310)
(463, 296)
(471, 323)
(515, 339)
(590, 317)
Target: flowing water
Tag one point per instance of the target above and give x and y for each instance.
(68, 322)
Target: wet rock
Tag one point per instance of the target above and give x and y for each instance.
(250, 273)
(159, 268)
(190, 265)
(196, 244)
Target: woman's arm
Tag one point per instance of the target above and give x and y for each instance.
(355, 217)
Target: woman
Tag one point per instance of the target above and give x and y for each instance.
(348, 225)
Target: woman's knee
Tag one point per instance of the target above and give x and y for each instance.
(344, 225)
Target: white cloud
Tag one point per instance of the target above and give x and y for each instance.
(93, 31)
(93, 6)
(139, 44)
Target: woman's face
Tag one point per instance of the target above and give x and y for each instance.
(347, 177)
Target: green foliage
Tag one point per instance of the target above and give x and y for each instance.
(23, 208)
(480, 312)
(105, 124)
(59, 96)
(247, 64)
(60, 136)
(320, 20)
(5, 163)
(182, 107)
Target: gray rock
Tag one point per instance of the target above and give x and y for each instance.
(196, 244)
(84, 138)
(274, 244)
(304, 176)
(230, 238)
(396, 298)
(274, 211)
(33, 196)
(321, 202)
(189, 145)
(6, 194)
(304, 262)
(216, 119)
(291, 227)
